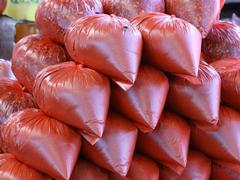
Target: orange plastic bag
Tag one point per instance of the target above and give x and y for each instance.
(114, 151)
(144, 102)
(41, 142)
(5, 69)
(107, 44)
(168, 143)
(168, 43)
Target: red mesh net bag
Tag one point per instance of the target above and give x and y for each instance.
(114, 151)
(53, 16)
(131, 8)
(11, 168)
(108, 44)
(197, 98)
(168, 143)
(41, 142)
(223, 41)
(223, 171)
(221, 144)
(198, 167)
(85, 170)
(32, 54)
(141, 168)
(174, 51)
(13, 98)
(200, 13)
(229, 70)
(76, 96)
(5, 70)
(144, 101)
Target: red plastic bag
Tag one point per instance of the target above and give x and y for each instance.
(85, 170)
(168, 43)
(141, 168)
(114, 151)
(130, 8)
(32, 54)
(11, 168)
(13, 98)
(3, 4)
(222, 171)
(229, 70)
(5, 70)
(76, 96)
(221, 144)
(197, 98)
(200, 13)
(107, 44)
(41, 142)
(223, 41)
(144, 102)
(53, 16)
(168, 143)
(198, 167)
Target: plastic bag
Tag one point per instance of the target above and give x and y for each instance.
(130, 8)
(229, 70)
(168, 143)
(85, 170)
(223, 41)
(197, 98)
(13, 98)
(3, 4)
(6, 70)
(114, 151)
(76, 96)
(221, 171)
(141, 168)
(41, 142)
(53, 16)
(11, 168)
(144, 102)
(221, 144)
(198, 167)
(107, 44)
(200, 13)
(170, 44)
(32, 54)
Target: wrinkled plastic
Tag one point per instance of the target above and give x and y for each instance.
(223, 41)
(229, 70)
(13, 98)
(76, 96)
(41, 142)
(144, 101)
(198, 168)
(141, 168)
(236, 19)
(114, 151)
(221, 171)
(200, 13)
(197, 98)
(32, 54)
(11, 168)
(223, 143)
(130, 8)
(53, 16)
(168, 43)
(168, 143)
(107, 44)
(3, 4)
(6, 70)
(85, 170)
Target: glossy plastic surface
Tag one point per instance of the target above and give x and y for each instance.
(41, 142)
(76, 96)
(200, 13)
(222, 171)
(54, 16)
(6, 69)
(168, 143)
(114, 151)
(32, 54)
(168, 43)
(107, 44)
(197, 98)
(144, 101)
